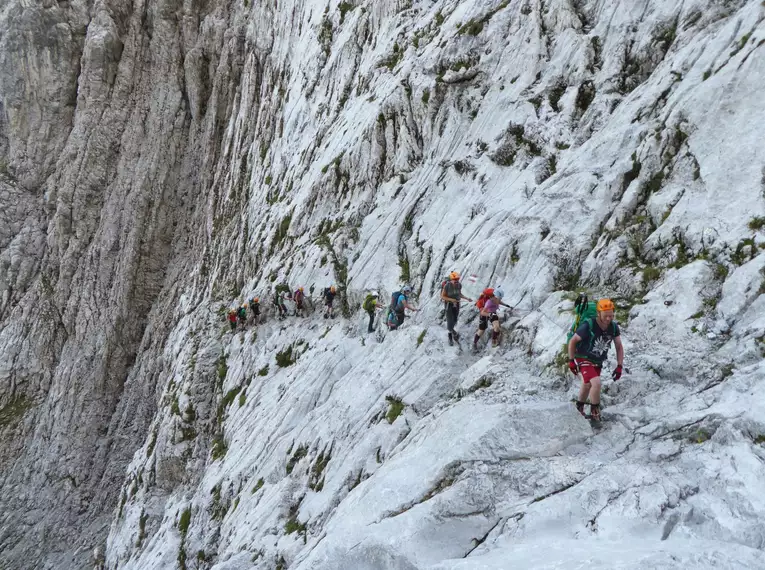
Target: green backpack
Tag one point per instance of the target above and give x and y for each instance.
(369, 303)
(583, 310)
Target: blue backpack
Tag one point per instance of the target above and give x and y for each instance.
(394, 299)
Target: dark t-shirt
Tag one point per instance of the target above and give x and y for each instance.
(595, 341)
(453, 289)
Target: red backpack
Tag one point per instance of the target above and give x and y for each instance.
(485, 296)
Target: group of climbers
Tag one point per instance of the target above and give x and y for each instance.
(488, 304)
(588, 341)
(399, 304)
(282, 295)
(237, 316)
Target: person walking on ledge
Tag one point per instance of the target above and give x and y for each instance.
(588, 348)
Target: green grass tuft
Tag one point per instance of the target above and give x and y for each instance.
(395, 409)
(757, 223)
(651, 274)
(184, 521)
(222, 367)
(219, 447)
(285, 357)
(299, 454)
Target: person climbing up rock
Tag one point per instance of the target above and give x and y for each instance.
(370, 305)
(299, 297)
(398, 304)
(241, 315)
(279, 303)
(232, 319)
(451, 294)
(255, 309)
(329, 297)
(488, 304)
(588, 348)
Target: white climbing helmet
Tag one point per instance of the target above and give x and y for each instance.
(499, 293)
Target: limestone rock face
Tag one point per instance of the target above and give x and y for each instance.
(164, 160)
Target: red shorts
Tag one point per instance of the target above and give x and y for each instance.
(588, 369)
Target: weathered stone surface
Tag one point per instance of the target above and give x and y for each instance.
(162, 159)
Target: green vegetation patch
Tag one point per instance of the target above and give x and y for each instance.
(285, 357)
(13, 411)
(651, 274)
(219, 447)
(344, 8)
(396, 406)
(299, 454)
(316, 481)
(474, 26)
(700, 436)
(757, 223)
(222, 367)
(230, 396)
(184, 522)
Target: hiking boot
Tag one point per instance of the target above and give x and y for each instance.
(451, 341)
(475, 348)
(456, 336)
(580, 408)
(494, 343)
(595, 412)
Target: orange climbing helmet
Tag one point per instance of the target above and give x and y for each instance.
(454, 276)
(332, 289)
(605, 305)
